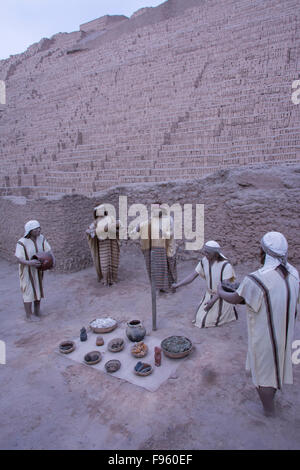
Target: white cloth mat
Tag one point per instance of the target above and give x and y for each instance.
(126, 372)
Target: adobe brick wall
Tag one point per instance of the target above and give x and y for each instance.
(101, 23)
(180, 91)
(240, 206)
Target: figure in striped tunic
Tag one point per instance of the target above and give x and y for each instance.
(271, 294)
(31, 278)
(103, 240)
(214, 267)
(159, 248)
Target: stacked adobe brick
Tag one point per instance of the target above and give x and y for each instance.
(177, 91)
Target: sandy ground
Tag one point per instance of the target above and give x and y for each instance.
(49, 402)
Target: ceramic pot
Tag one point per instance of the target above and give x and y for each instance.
(83, 334)
(135, 331)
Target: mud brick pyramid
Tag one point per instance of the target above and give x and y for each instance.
(177, 91)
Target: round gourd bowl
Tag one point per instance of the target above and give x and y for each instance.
(176, 347)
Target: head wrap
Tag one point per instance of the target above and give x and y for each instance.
(213, 247)
(99, 211)
(30, 225)
(275, 246)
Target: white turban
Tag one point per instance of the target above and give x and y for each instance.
(275, 246)
(31, 225)
(213, 247)
(99, 211)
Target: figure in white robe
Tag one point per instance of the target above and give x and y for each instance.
(271, 294)
(31, 278)
(220, 311)
(214, 267)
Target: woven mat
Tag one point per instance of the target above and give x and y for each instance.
(126, 372)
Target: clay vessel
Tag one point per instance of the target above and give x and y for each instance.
(83, 334)
(135, 331)
(46, 260)
(157, 356)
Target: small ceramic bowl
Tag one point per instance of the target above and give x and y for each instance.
(92, 358)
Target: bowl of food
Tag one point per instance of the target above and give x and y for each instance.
(92, 358)
(103, 325)
(116, 345)
(112, 366)
(139, 350)
(230, 286)
(143, 369)
(67, 347)
(176, 347)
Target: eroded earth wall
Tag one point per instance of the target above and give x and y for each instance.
(240, 206)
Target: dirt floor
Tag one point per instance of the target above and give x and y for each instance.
(50, 402)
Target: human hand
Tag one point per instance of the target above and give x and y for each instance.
(174, 285)
(219, 289)
(35, 263)
(208, 305)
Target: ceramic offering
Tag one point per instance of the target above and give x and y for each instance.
(116, 345)
(176, 346)
(46, 260)
(230, 286)
(139, 349)
(92, 358)
(157, 356)
(67, 347)
(103, 325)
(143, 369)
(99, 341)
(112, 366)
(83, 334)
(135, 331)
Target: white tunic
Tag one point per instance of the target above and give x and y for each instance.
(31, 279)
(270, 319)
(221, 312)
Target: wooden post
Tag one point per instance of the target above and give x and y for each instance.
(153, 292)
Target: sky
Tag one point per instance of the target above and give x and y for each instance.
(24, 22)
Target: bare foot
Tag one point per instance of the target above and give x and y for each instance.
(35, 318)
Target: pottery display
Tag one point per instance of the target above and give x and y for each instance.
(139, 349)
(112, 366)
(92, 358)
(99, 341)
(67, 347)
(83, 334)
(116, 345)
(143, 369)
(46, 260)
(230, 286)
(135, 331)
(176, 346)
(157, 356)
(103, 325)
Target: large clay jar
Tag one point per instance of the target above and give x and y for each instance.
(135, 331)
